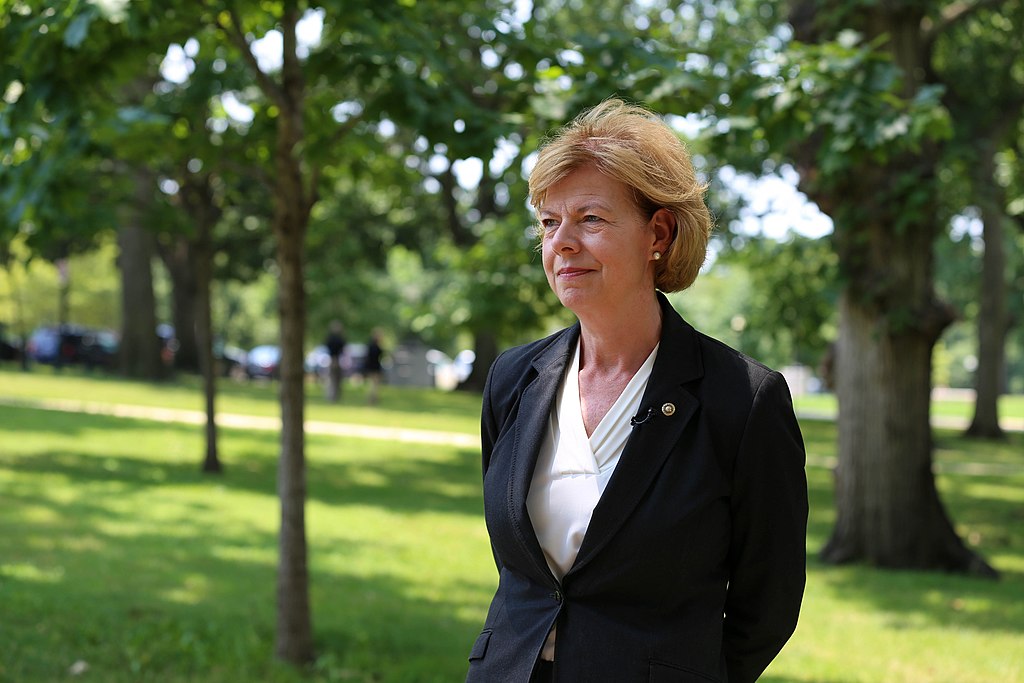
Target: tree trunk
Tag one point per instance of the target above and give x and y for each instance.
(993, 320)
(292, 203)
(211, 461)
(19, 308)
(63, 307)
(485, 348)
(63, 291)
(294, 623)
(203, 254)
(140, 346)
(888, 509)
(181, 263)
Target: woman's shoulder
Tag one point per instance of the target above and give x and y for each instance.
(707, 357)
(732, 374)
(520, 364)
(720, 355)
(519, 358)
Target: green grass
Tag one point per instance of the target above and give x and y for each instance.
(115, 551)
(411, 408)
(119, 553)
(1011, 406)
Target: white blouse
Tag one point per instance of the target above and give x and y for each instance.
(573, 469)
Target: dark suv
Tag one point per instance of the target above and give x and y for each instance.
(73, 345)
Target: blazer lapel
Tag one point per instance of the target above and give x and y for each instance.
(651, 442)
(531, 428)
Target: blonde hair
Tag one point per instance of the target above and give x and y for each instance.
(634, 146)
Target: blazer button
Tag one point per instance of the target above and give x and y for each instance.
(557, 596)
(668, 409)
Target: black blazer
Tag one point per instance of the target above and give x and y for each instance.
(692, 568)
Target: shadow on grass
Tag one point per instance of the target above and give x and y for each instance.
(185, 592)
(185, 598)
(146, 609)
(364, 472)
(988, 514)
(910, 598)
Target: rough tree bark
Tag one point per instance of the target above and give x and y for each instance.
(140, 346)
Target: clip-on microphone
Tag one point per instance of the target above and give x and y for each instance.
(636, 420)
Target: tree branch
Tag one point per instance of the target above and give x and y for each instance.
(233, 30)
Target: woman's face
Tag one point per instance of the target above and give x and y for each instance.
(597, 247)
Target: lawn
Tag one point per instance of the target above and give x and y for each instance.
(119, 560)
(953, 405)
(411, 408)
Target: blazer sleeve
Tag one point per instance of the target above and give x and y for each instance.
(769, 534)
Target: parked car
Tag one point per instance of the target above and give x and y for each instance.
(450, 372)
(71, 344)
(45, 345)
(263, 361)
(318, 361)
(229, 360)
(99, 349)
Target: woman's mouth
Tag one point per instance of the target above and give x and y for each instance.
(572, 272)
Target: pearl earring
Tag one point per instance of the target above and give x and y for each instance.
(657, 255)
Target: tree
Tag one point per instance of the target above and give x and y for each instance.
(68, 73)
(983, 39)
(294, 191)
(842, 91)
(871, 163)
(380, 62)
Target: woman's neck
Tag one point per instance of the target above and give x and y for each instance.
(614, 343)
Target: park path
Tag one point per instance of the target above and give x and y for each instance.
(237, 421)
(423, 436)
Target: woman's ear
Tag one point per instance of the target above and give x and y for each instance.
(663, 224)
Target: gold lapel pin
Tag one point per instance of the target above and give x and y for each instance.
(668, 409)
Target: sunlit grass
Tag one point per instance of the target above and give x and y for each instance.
(120, 554)
(117, 554)
(399, 407)
(1010, 406)
(405, 407)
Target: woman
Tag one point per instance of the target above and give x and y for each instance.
(644, 488)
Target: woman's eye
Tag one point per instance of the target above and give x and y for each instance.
(549, 224)
(590, 218)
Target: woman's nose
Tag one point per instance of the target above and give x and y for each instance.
(564, 238)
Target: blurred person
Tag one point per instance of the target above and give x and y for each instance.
(372, 367)
(644, 486)
(335, 343)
